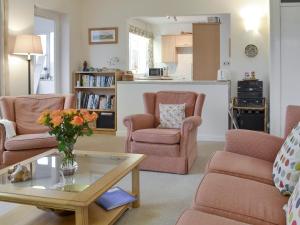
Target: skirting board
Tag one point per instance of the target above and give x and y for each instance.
(217, 138)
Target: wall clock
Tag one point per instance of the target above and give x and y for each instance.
(251, 50)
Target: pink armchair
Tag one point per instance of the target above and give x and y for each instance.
(167, 150)
(32, 138)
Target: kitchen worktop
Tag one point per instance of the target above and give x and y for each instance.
(176, 81)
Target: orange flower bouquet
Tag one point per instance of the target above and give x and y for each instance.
(67, 125)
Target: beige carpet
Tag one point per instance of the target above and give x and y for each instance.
(163, 196)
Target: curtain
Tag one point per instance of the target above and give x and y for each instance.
(146, 34)
(3, 46)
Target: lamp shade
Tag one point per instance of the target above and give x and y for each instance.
(28, 45)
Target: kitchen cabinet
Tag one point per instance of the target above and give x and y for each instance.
(184, 40)
(168, 49)
(206, 51)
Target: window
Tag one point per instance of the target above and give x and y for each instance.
(138, 53)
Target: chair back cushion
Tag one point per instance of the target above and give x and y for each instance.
(29, 108)
(7, 110)
(175, 97)
(292, 118)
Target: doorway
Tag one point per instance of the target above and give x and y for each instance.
(44, 65)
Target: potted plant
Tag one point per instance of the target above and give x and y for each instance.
(67, 125)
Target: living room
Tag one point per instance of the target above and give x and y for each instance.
(149, 112)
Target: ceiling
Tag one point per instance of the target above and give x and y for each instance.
(180, 19)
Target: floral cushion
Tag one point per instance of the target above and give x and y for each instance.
(171, 115)
(286, 169)
(293, 207)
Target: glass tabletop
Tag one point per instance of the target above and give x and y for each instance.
(45, 173)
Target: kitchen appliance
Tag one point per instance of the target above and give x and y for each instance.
(223, 74)
(158, 72)
(250, 119)
(250, 93)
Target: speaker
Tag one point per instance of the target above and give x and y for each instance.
(106, 120)
(250, 119)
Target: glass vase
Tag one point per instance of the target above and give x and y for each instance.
(68, 164)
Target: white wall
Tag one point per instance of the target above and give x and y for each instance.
(284, 65)
(107, 13)
(81, 15)
(21, 21)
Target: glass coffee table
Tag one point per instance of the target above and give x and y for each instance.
(97, 172)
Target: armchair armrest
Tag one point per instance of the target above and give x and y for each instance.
(2, 141)
(139, 121)
(252, 143)
(189, 130)
(190, 123)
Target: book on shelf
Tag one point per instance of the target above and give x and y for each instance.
(90, 80)
(95, 101)
(115, 197)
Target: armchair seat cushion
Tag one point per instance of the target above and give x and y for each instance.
(241, 166)
(155, 149)
(240, 199)
(157, 136)
(195, 217)
(30, 141)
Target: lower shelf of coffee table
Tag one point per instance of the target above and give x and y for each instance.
(34, 216)
(98, 216)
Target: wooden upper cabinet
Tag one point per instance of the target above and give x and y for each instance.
(168, 49)
(206, 51)
(184, 40)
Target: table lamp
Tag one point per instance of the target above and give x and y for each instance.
(28, 45)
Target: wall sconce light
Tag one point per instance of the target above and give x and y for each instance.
(252, 18)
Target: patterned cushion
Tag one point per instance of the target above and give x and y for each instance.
(171, 115)
(293, 207)
(286, 169)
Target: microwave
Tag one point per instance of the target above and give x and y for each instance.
(156, 72)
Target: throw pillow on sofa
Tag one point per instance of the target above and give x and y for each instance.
(171, 115)
(286, 169)
(293, 207)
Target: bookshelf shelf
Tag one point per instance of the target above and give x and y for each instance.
(100, 110)
(96, 92)
(112, 87)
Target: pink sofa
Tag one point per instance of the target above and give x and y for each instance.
(237, 187)
(32, 138)
(167, 150)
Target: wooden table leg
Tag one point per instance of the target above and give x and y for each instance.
(136, 186)
(82, 216)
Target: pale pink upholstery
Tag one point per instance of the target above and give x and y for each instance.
(27, 109)
(31, 138)
(292, 118)
(252, 143)
(238, 182)
(155, 149)
(30, 141)
(167, 150)
(240, 199)
(241, 166)
(195, 217)
(157, 136)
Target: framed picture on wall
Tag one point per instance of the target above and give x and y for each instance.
(106, 35)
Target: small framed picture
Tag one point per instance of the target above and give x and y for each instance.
(106, 35)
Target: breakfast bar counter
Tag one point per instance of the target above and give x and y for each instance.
(215, 111)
